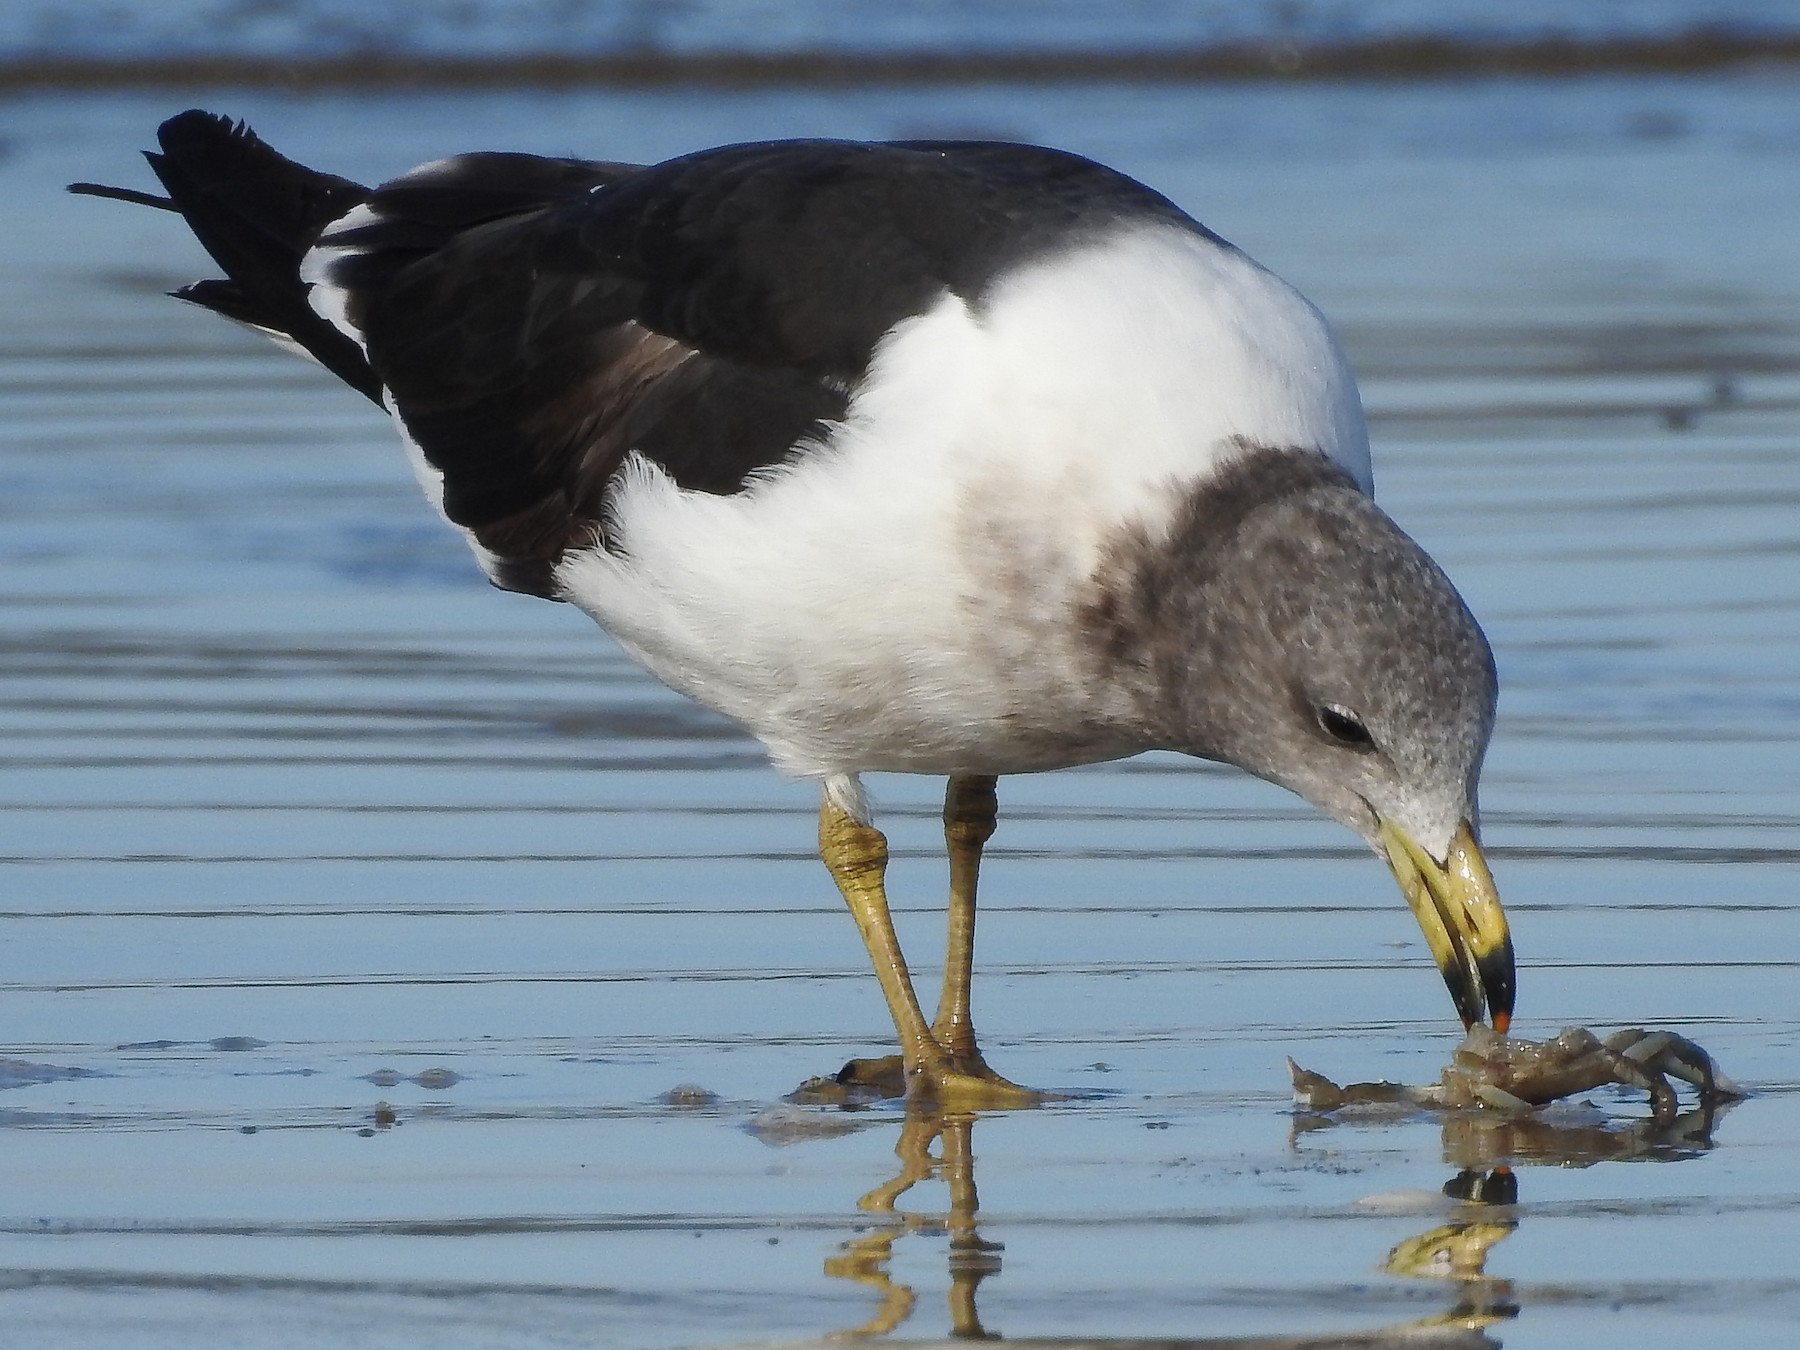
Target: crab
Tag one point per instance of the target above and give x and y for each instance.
(1513, 1075)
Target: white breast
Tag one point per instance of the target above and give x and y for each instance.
(902, 596)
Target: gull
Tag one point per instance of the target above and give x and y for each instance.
(938, 457)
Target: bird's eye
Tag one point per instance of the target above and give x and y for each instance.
(1344, 726)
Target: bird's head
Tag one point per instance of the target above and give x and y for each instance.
(1309, 641)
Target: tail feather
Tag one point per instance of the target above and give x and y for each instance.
(257, 213)
(119, 194)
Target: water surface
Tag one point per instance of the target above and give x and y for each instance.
(296, 814)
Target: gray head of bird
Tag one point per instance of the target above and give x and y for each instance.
(1309, 641)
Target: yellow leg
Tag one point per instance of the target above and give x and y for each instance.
(969, 810)
(856, 856)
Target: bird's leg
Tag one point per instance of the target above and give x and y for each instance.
(856, 856)
(970, 808)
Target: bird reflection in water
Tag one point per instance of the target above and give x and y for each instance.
(936, 1146)
(1486, 1146)
(1458, 1250)
(972, 1258)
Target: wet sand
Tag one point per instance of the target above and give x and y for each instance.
(360, 919)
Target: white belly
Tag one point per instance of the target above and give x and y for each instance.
(905, 636)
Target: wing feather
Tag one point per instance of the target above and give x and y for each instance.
(535, 321)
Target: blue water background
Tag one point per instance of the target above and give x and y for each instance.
(289, 799)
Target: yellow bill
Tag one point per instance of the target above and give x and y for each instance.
(1459, 912)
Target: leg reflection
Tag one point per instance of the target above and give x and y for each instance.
(972, 1258)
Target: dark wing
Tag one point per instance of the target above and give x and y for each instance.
(535, 321)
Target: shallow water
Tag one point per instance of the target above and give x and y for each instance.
(296, 814)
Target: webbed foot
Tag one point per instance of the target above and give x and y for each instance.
(946, 1084)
